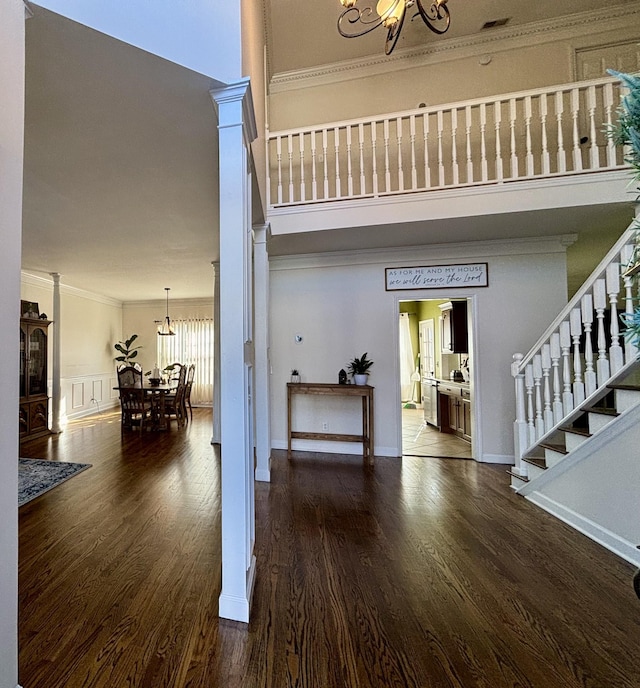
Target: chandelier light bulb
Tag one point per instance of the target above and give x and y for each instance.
(390, 12)
(348, 3)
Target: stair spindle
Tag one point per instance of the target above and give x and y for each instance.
(527, 127)
(374, 163)
(600, 304)
(626, 256)
(594, 155)
(484, 168)
(497, 115)
(440, 154)
(454, 148)
(412, 134)
(546, 389)
(546, 164)
(425, 139)
(314, 179)
(279, 159)
(349, 165)
(565, 346)
(616, 353)
(325, 167)
(336, 153)
(561, 154)
(303, 190)
(575, 112)
(529, 384)
(537, 383)
(399, 144)
(290, 154)
(363, 179)
(590, 378)
(512, 125)
(467, 114)
(575, 323)
(387, 170)
(555, 367)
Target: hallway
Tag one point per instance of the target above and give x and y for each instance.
(421, 439)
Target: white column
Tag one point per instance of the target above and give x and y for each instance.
(236, 126)
(217, 397)
(262, 363)
(56, 390)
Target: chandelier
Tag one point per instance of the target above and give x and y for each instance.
(165, 325)
(358, 21)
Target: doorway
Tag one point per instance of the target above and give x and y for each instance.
(435, 377)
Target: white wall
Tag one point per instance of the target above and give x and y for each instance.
(340, 307)
(11, 147)
(198, 34)
(90, 325)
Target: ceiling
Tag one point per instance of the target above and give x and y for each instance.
(121, 146)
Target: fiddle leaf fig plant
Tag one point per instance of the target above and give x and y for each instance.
(126, 350)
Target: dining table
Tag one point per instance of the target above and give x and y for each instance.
(157, 393)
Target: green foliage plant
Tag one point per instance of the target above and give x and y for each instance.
(360, 366)
(126, 351)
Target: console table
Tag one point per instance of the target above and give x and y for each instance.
(328, 389)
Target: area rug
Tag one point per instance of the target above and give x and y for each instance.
(37, 476)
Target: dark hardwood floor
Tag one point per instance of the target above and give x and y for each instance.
(416, 573)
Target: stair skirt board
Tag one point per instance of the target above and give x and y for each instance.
(614, 543)
(622, 423)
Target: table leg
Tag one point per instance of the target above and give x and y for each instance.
(371, 444)
(288, 423)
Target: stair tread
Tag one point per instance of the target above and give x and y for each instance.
(519, 477)
(554, 447)
(576, 431)
(540, 463)
(633, 388)
(602, 411)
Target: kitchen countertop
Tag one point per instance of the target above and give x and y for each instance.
(454, 384)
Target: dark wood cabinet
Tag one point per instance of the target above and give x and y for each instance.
(34, 400)
(455, 410)
(454, 335)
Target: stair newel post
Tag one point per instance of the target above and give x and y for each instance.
(555, 367)
(546, 389)
(565, 347)
(600, 304)
(575, 324)
(626, 256)
(528, 384)
(616, 354)
(537, 383)
(590, 382)
(520, 433)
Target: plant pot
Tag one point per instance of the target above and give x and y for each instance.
(295, 378)
(361, 379)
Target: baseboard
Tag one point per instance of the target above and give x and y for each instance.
(239, 608)
(333, 447)
(609, 540)
(263, 475)
(497, 458)
(84, 413)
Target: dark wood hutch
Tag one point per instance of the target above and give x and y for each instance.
(34, 400)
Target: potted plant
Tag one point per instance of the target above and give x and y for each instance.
(295, 375)
(359, 369)
(127, 352)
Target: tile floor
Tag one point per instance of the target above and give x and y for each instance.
(425, 440)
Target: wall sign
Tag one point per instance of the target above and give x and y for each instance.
(437, 276)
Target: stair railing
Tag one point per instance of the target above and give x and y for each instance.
(579, 351)
(539, 133)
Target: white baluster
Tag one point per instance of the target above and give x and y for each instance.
(399, 141)
(484, 168)
(590, 379)
(562, 156)
(387, 171)
(467, 114)
(608, 107)
(537, 382)
(527, 124)
(626, 255)
(440, 161)
(593, 150)
(325, 167)
(555, 367)
(454, 148)
(303, 190)
(565, 346)
(279, 157)
(546, 163)
(528, 383)
(412, 133)
(600, 304)
(363, 178)
(575, 323)
(290, 154)
(616, 354)
(336, 152)
(349, 165)
(575, 109)
(374, 162)
(314, 179)
(512, 124)
(425, 138)
(546, 370)
(497, 114)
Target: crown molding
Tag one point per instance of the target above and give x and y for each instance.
(614, 18)
(427, 254)
(47, 283)
(28, 12)
(177, 303)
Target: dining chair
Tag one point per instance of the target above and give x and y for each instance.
(174, 406)
(191, 372)
(129, 375)
(136, 409)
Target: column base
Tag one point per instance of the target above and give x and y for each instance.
(239, 608)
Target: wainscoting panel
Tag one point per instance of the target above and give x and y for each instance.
(84, 395)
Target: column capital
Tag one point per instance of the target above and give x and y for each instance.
(261, 233)
(226, 101)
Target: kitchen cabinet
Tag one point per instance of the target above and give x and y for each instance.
(34, 401)
(454, 336)
(455, 410)
(430, 401)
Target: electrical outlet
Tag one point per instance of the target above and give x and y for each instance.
(325, 425)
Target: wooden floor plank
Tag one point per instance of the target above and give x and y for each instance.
(414, 573)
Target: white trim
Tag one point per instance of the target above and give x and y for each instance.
(609, 540)
(351, 448)
(503, 459)
(47, 283)
(177, 303)
(239, 608)
(558, 29)
(491, 248)
(28, 14)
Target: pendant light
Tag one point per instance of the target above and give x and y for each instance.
(165, 328)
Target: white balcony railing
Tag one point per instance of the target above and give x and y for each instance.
(551, 131)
